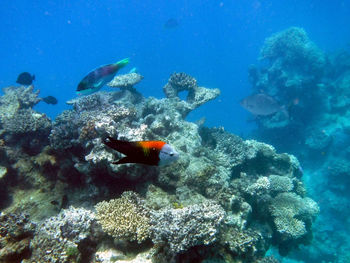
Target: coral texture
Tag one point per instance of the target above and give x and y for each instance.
(125, 80)
(196, 96)
(292, 214)
(16, 232)
(186, 227)
(125, 218)
(219, 201)
(57, 237)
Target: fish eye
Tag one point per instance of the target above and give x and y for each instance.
(171, 154)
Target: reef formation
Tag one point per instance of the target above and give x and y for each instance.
(314, 87)
(226, 199)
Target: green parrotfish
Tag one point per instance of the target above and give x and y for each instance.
(99, 77)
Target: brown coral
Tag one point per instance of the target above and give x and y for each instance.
(88, 131)
(125, 218)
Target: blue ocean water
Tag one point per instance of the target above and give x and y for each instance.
(214, 41)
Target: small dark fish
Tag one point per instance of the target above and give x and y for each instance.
(261, 104)
(64, 202)
(54, 202)
(25, 78)
(171, 23)
(50, 100)
(99, 77)
(146, 152)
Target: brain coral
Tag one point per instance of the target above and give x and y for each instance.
(125, 217)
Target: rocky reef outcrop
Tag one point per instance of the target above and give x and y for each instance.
(16, 233)
(313, 85)
(20, 125)
(222, 200)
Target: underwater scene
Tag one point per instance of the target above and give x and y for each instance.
(175, 131)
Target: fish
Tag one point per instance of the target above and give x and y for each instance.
(156, 153)
(25, 78)
(54, 202)
(50, 100)
(261, 104)
(97, 78)
(171, 23)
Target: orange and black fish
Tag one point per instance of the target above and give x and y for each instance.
(157, 153)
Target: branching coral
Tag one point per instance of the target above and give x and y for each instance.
(125, 218)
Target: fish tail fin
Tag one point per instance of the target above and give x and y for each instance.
(122, 63)
(33, 77)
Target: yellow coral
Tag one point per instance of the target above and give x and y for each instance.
(125, 218)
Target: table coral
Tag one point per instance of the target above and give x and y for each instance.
(293, 214)
(125, 80)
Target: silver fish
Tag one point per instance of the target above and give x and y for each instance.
(261, 104)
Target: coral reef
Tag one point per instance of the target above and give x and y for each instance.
(17, 118)
(314, 87)
(292, 48)
(67, 237)
(16, 232)
(291, 212)
(196, 96)
(126, 81)
(246, 243)
(186, 227)
(293, 76)
(220, 201)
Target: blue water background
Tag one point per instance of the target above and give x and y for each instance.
(216, 41)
